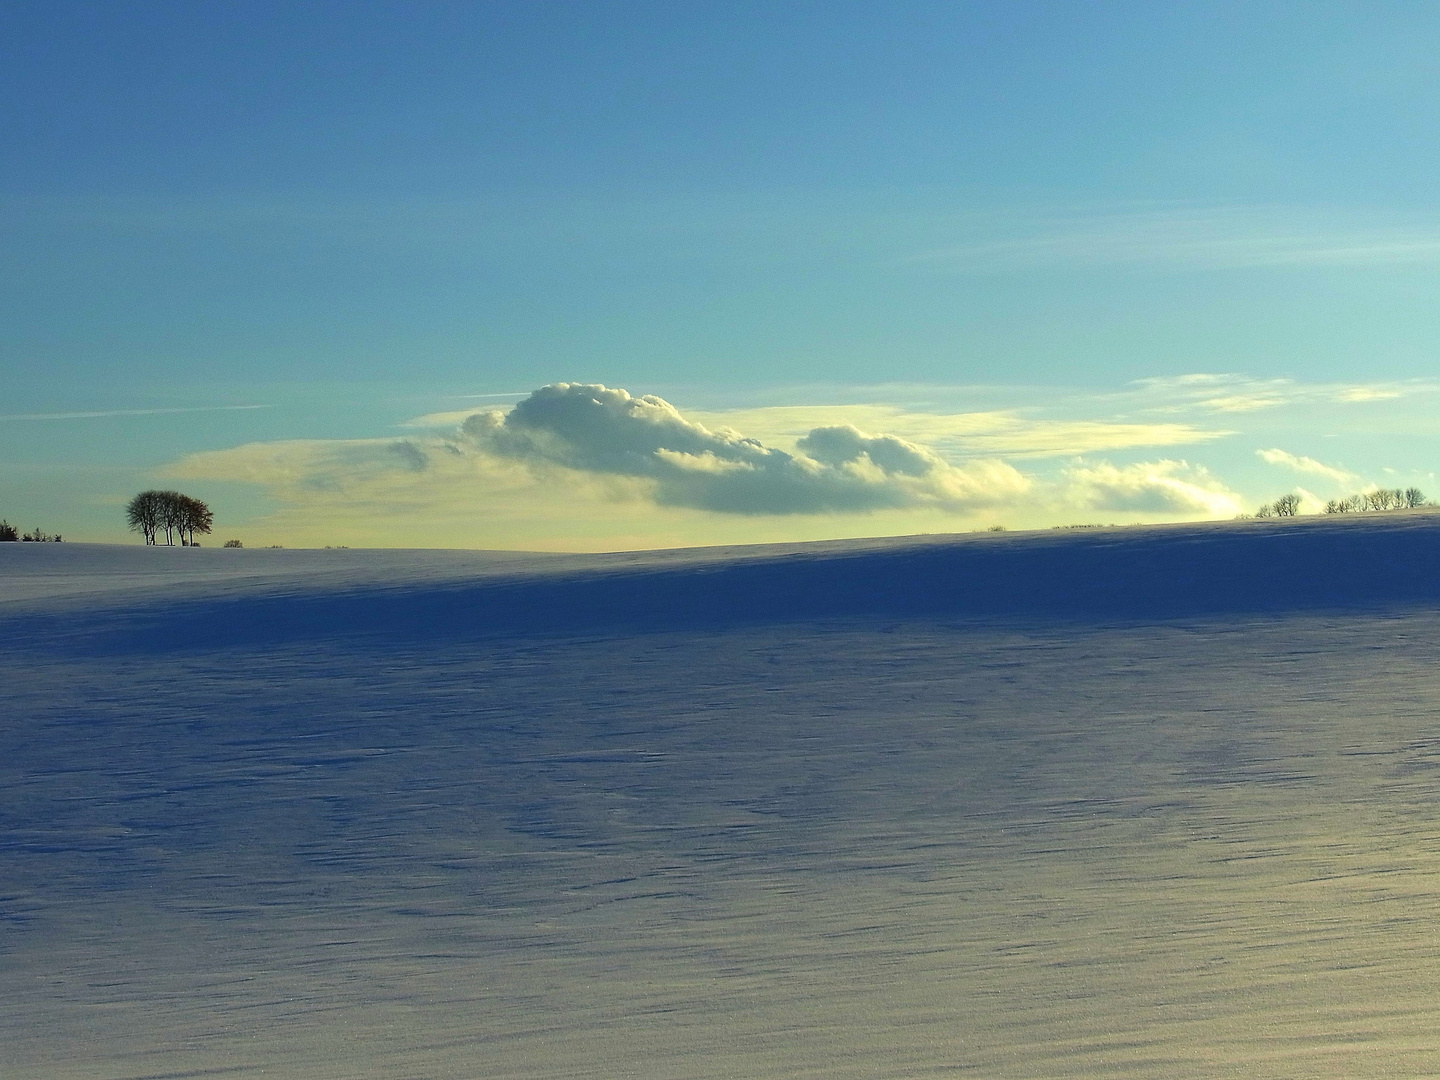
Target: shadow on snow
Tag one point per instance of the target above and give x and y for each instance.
(1103, 577)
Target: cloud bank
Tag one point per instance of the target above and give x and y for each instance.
(577, 466)
(837, 469)
(1156, 487)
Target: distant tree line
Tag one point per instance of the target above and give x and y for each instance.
(1380, 499)
(9, 532)
(177, 515)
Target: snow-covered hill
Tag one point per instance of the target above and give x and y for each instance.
(1160, 802)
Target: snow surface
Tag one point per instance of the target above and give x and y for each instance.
(1143, 802)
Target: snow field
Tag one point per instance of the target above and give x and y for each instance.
(844, 846)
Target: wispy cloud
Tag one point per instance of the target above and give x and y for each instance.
(439, 420)
(1216, 238)
(1231, 393)
(1277, 456)
(129, 412)
(1002, 432)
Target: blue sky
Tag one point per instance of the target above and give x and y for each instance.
(246, 250)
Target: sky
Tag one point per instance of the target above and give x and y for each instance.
(604, 275)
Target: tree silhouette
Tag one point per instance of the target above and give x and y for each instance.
(170, 515)
(1384, 499)
(192, 516)
(143, 514)
(1379, 499)
(151, 511)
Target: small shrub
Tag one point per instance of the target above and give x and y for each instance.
(233, 543)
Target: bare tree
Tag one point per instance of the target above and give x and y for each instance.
(192, 516)
(170, 515)
(1286, 505)
(1414, 497)
(8, 532)
(143, 514)
(1384, 499)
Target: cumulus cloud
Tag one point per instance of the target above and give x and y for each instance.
(835, 469)
(1277, 456)
(1158, 487)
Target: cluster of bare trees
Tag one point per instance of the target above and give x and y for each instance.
(150, 512)
(1285, 506)
(1381, 499)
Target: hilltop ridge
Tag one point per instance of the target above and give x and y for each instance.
(199, 597)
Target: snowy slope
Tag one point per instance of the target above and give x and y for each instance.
(1160, 802)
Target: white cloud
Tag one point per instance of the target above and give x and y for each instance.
(1310, 503)
(1156, 487)
(1277, 456)
(1377, 392)
(591, 428)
